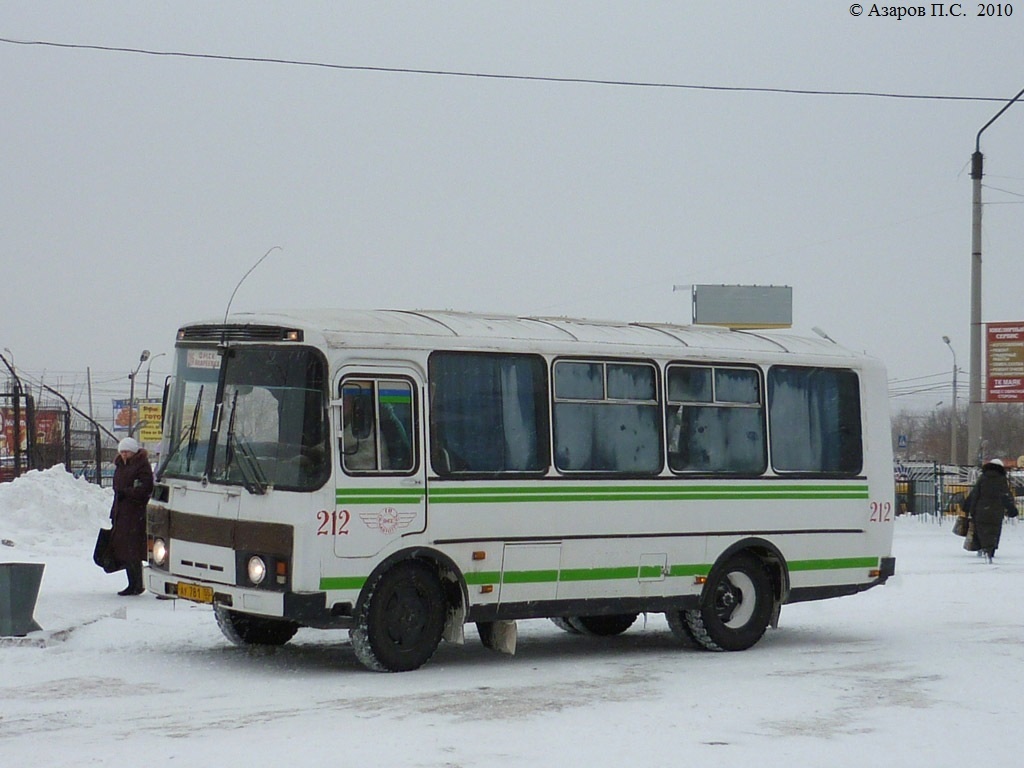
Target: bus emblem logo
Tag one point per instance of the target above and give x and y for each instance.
(387, 520)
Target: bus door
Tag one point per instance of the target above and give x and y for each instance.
(380, 493)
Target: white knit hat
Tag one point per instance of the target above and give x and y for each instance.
(129, 444)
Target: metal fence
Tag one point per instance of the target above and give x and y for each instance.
(927, 488)
(42, 431)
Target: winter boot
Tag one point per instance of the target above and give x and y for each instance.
(135, 586)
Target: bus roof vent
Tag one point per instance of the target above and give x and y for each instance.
(238, 333)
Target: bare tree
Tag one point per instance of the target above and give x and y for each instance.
(926, 436)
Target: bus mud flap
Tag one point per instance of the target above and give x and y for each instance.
(455, 626)
(503, 638)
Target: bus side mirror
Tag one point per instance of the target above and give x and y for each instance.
(362, 416)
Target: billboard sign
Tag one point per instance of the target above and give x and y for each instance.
(1004, 362)
(146, 418)
(49, 428)
(743, 306)
(151, 413)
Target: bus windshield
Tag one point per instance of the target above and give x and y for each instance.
(272, 425)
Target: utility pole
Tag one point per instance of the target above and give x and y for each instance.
(974, 407)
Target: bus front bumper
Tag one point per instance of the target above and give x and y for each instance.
(304, 608)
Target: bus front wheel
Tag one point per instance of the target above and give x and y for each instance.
(246, 629)
(400, 622)
(735, 606)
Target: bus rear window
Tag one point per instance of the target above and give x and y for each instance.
(814, 420)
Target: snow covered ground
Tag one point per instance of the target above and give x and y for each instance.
(925, 671)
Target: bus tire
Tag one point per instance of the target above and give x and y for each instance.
(735, 606)
(602, 626)
(486, 631)
(565, 624)
(681, 630)
(400, 622)
(246, 629)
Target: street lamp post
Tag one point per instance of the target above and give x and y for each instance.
(148, 366)
(974, 407)
(953, 419)
(132, 421)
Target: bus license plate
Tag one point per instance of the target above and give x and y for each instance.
(195, 593)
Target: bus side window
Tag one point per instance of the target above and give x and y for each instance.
(607, 417)
(488, 413)
(394, 401)
(358, 432)
(715, 420)
(378, 426)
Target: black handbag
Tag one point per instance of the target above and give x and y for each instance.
(103, 554)
(960, 525)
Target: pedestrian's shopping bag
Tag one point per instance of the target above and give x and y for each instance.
(960, 525)
(103, 554)
(971, 539)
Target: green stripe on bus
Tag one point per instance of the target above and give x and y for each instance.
(505, 495)
(550, 575)
(529, 577)
(689, 569)
(600, 574)
(342, 582)
(533, 494)
(379, 496)
(548, 488)
(482, 577)
(834, 564)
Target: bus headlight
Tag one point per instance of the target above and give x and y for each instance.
(159, 552)
(257, 569)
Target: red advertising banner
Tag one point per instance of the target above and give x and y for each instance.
(1005, 362)
(49, 428)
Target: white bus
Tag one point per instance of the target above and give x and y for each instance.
(401, 473)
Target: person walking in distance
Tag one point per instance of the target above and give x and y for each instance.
(133, 485)
(988, 502)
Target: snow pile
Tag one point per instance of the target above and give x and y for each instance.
(50, 507)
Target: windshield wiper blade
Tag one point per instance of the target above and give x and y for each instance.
(189, 432)
(193, 439)
(253, 479)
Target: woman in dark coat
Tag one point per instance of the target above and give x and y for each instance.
(989, 500)
(133, 485)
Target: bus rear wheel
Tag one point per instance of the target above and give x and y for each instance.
(564, 624)
(602, 626)
(681, 630)
(246, 629)
(400, 622)
(735, 606)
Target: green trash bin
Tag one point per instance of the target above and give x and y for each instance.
(19, 588)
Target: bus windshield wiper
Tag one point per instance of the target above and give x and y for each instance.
(193, 429)
(190, 433)
(253, 479)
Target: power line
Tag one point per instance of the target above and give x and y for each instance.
(497, 75)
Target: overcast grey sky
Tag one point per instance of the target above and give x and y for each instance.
(137, 190)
